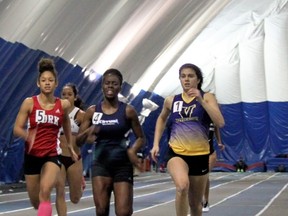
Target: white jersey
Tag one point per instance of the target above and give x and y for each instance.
(73, 122)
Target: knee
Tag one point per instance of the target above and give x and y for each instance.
(102, 211)
(75, 199)
(45, 194)
(35, 205)
(124, 212)
(75, 196)
(182, 188)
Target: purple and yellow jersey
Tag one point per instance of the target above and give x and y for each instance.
(190, 126)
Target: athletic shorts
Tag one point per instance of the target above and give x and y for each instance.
(211, 146)
(211, 137)
(33, 165)
(198, 165)
(67, 161)
(119, 172)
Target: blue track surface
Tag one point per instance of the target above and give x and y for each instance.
(231, 194)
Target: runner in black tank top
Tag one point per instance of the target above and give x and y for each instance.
(105, 125)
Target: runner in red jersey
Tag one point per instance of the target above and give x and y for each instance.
(45, 114)
(47, 124)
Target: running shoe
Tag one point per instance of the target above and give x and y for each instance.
(205, 207)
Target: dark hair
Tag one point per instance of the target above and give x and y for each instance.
(73, 87)
(46, 64)
(197, 71)
(78, 102)
(115, 72)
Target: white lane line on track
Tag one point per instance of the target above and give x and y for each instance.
(271, 201)
(137, 181)
(68, 200)
(17, 210)
(11, 201)
(151, 185)
(239, 192)
(135, 197)
(228, 182)
(221, 176)
(91, 196)
(12, 194)
(155, 193)
(153, 206)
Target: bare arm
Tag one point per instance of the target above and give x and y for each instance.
(209, 103)
(80, 116)
(139, 134)
(136, 127)
(66, 125)
(66, 122)
(85, 130)
(160, 126)
(212, 108)
(19, 129)
(218, 138)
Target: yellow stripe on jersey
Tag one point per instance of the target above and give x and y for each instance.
(189, 139)
(190, 149)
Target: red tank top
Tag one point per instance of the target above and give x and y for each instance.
(47, 123)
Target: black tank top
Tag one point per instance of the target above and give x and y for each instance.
(111, 143)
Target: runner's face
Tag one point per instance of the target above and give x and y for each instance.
(47, 82)
(188, 79)
(111, 86)
(67, 93)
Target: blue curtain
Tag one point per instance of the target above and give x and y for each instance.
(255, 132)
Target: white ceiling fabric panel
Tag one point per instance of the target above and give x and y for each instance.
(241, 22)
(137, 37)
(227, 83)
(252, 71)
(149, 40)
(276, 57)
(178, 47)
(243, 25)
